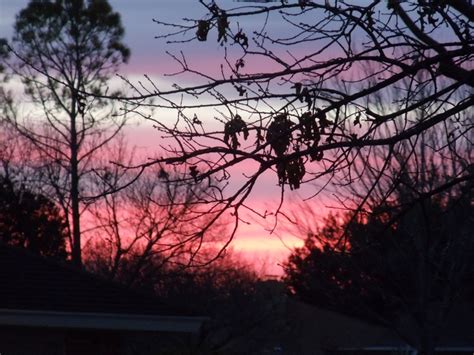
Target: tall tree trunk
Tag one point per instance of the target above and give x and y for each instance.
(76, 226)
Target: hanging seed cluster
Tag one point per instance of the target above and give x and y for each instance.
(219, 20)
(280, 138)
(232, 130)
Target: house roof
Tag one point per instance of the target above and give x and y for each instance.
(34, 286)
(310, 326)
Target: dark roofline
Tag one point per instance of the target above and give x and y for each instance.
(106, 321)
(24, 273)
(69, 266)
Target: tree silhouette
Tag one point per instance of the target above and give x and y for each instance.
(243, 314)
(31, 221)
(299, 102)
(60, 50)
(404, 257)
(150, 226)
(385, 274)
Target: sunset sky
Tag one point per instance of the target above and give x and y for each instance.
(148, 57)
(327, 145)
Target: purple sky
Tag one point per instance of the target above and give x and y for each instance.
(136, 17)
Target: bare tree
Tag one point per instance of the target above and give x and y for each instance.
(308, 115)
(60, 50)
(147, 227)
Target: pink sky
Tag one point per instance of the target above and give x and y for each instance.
(253, 241)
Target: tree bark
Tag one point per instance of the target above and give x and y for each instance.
(76, 226)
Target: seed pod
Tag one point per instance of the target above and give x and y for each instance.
(222, 26)
(232, 129)
(279, 134)
(202, 31)
(194, 172)
(241, 38)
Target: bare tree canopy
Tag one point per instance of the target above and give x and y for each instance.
(59, 50)
(151, 225)
(297, 90)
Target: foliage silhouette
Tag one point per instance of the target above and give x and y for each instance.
(406, 264)
(31, 221)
